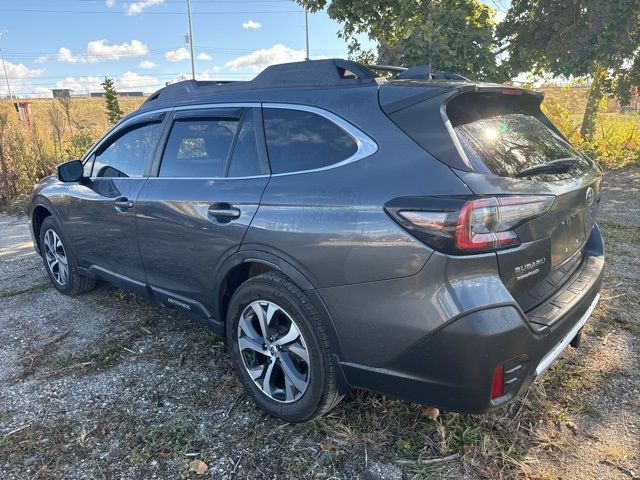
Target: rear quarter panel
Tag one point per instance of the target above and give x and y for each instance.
(331, 223)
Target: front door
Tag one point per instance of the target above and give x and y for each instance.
(195, 212)
(100, 218)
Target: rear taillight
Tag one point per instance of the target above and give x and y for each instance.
(488, 223)
(457, 225)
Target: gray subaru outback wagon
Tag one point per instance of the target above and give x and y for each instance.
(420, 235)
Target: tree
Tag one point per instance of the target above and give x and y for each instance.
(595, 38)
(114, 112)
(454, 35)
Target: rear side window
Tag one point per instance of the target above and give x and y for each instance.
(298, 140)
(198, 148)
(245, 161)
(505, 135)
(128, 154)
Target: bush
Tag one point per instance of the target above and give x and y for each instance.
(29, 152)
(616, 142)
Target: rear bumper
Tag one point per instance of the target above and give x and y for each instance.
(452, 368)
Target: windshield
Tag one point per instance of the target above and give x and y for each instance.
(505, 139)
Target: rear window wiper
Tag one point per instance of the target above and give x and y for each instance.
(562, 165)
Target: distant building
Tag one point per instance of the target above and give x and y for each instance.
(61, 92)
(120, 94)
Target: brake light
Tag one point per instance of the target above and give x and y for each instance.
(454, 225)
(511, 91)
(488, 223)
(497, 383)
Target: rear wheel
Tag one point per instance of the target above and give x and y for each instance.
(59, 260)
(280, 349)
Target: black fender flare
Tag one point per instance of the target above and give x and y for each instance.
(41, 201)
(279, 264)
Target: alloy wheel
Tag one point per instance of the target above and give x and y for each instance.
(273, 351)
(56, 257)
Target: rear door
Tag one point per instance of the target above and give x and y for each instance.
(101, 211)
(505, 138)
(194, 211)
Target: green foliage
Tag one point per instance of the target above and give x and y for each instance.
(615, 142)
(114, 112)
(571, 37)
(454, 35)
(576, 38)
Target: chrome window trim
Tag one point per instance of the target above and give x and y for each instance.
(366, 146)
(264, 175)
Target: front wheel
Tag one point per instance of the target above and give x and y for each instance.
(280, 349)
(59, 261)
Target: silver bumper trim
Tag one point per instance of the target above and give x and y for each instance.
(559, 348)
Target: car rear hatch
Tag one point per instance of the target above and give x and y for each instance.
(498, 141)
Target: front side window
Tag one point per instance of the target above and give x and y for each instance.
(129, 153)
(298, 140)
(198, 148)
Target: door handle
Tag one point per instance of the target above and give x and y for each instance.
(223, 212)
(122, 204)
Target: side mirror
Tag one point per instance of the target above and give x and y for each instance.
(71, 171)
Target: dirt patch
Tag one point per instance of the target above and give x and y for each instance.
(107, 386)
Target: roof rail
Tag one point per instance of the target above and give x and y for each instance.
(185, 88)
(315, 73)
(417, 72)
(308, 73)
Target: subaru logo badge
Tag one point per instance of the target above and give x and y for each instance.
(589, 197)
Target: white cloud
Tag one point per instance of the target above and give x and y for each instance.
(41, 59)
(98, 50)
(18, 70)
(42, 92)
(134, 81)
(127, 81)
(204, 56)
(81, 84)
(146, 64)
(136, 8)
(251, 25)
(499, 16)
(65, 55)
(260, 59)
(110, 3)
(177, 55)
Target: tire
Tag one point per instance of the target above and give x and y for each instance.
(284, 396)
(71, 283)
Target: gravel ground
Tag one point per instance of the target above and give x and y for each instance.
(105, 385)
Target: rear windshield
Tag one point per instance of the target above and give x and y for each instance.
(504, 135)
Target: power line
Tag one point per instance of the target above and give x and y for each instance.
(107, 12)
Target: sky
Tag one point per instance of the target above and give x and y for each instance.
(141, 44)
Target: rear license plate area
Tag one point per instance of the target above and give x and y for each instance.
(568, 237)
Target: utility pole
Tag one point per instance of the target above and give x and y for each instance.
(193, 60)
(306, 30)
(4, 67)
